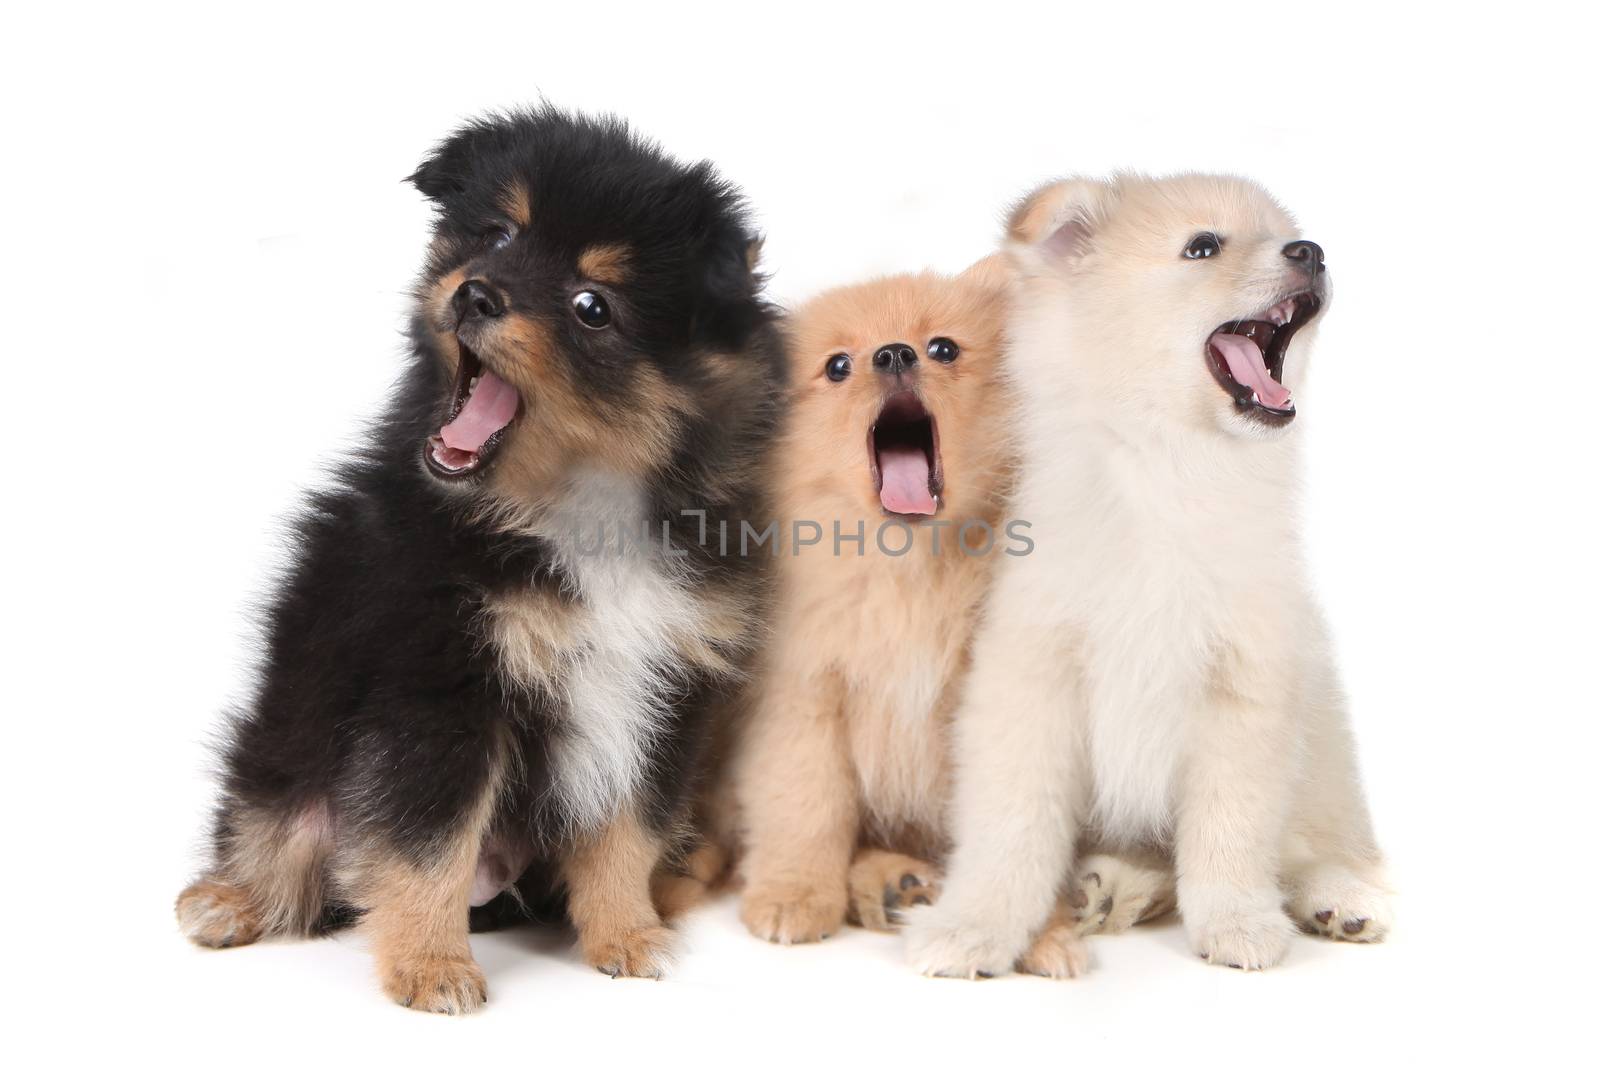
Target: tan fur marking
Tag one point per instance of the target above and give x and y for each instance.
(416, 917)
(280, 862)
(267, 881)
(417, 920)
(608, 881)
(516, 203)
(563, 422)
(606, 264)
(535, 634)
(441, 320)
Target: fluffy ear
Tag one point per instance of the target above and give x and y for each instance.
(1058, 219)
(730, 304)
(442, 174)
(448, 168)
(993, 272)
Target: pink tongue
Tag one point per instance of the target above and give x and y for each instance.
(1250, 370)
(491, 406)
(905, 481)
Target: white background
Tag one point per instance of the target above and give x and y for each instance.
(206, 249)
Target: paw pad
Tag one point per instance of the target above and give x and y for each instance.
(884, 885)
(1331, 922)
(1342, 904)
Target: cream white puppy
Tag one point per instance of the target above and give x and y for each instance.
(1156, 672)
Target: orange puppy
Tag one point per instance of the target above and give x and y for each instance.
(891, 476)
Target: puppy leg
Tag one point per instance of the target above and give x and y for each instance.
(1017, 802)
(1340, 902)
(883, 884)
(1113, 891)
(1333, 869)
(415, 885)
(1230, 824)
(416, 916)
(608, 884)
(798, 795)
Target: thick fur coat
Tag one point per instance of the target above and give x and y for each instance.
(504, 639)
(841, 774)
(1157, 673)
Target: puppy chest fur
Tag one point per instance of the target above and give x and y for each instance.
(899, 653)
(1147, 556)
(1163, 509)
(611, 655)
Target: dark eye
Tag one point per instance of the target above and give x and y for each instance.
(943, 349)
(837, 368)
(1203, 246)
(591, 310)
(496, 239)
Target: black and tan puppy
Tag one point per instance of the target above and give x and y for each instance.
(504, 633)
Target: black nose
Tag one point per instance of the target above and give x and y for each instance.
(475, 300)
(894, 358)
(1306, 253)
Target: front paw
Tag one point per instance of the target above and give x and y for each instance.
(945, 945)
(641, 953)
(1337, 902)
(793, 915)
(446, 986)
(883, 885)
(1246, 937)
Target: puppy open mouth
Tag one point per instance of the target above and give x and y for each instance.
(1246, 356)
(904, 447)
(483, 405)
